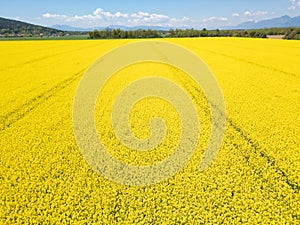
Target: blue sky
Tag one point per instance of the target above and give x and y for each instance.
(175, 13)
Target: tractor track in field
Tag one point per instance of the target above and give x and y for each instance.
(249, 62)
(17, 114)
(271, 161)
(10, 118)
(257, 64)
(45, 57)
(257, 150)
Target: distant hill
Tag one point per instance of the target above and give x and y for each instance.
(280, 22)
(284, 21)
(14, 28)
(160, 28)
(71, 28)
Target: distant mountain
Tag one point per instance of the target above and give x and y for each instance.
(71, 28)
(160, 28)
(18, 28)
(284, 21)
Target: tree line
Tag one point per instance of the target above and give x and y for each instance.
(288, 33)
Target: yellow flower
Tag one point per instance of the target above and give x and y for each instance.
(254, 179)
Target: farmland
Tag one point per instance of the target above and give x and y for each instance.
(254, 179)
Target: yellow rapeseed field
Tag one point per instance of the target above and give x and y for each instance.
(254, 179)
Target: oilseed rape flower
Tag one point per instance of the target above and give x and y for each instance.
(44, 178)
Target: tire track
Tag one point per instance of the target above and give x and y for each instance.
(271, 161)
(17, 114)
(45, 57)
(256, 148)
(12, 117)
(249, 62)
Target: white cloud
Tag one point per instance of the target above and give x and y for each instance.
(214, 18)
(100, 17)
(257, 13)
(118, 15)
(48, 15)
(139, 15)
(247, 13)
(294, 4)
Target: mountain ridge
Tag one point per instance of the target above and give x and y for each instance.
(277, 22)
(72, 28)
